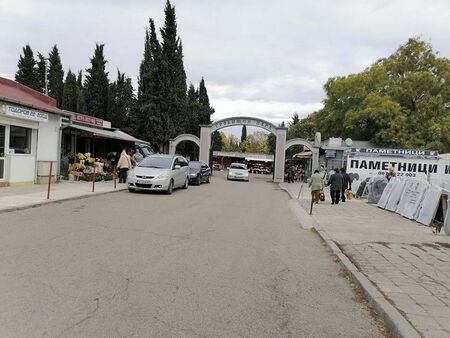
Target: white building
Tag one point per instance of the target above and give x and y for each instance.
(29, 134)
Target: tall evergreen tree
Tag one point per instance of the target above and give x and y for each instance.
(174, 94)
(151, 124)
(192, 94)
(81, 104)
(121, 102)
(96, 85)
(203, 99)
(55, 76)
(26, 73)
(244, 133)
(70, 92)
(41, 69)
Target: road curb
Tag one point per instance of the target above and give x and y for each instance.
(393, 319)
(42, 203)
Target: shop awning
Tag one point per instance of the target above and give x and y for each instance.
(107, 133)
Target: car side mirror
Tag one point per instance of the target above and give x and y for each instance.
(176, 166)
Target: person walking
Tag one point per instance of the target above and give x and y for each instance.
(335, 182)
(346, 183)
(316, 185)
(124, 165)
(137, 157)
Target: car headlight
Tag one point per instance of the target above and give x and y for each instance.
(162, 176)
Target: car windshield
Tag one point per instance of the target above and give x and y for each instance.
(238, 166)
(156, 162)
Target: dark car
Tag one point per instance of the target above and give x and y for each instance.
(199, 172)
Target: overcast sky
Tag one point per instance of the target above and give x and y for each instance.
(258, 57)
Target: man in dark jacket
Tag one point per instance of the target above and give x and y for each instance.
(346, 183)
(336, 183)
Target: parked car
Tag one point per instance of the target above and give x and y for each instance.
(199, 172)
(238, 171)
(159, 173)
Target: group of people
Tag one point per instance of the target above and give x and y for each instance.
(127, 161)
(295, 173)
(338, 182)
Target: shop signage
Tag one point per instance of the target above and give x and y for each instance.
(27, 114)
(88, 120)
(404, 167)
(393, 153)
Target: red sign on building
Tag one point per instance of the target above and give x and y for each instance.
(88, 120)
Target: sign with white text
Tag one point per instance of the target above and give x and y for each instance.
(27, 114)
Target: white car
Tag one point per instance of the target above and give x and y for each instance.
(237, 171)
(159, 173)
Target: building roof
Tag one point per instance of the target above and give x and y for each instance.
(16, 93)
(107, 133)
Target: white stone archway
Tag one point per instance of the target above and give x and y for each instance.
(314, 148)
(180, 138)
(280, 133)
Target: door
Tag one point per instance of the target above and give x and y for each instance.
(2, 151)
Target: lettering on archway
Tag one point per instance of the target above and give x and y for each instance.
(239, 121)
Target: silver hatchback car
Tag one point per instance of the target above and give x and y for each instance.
(159, 173)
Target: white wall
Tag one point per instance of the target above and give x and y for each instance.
(48, 140)
(21, 168)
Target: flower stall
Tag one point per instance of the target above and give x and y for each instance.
(85, 167)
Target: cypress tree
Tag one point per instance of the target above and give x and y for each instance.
(70, 92)
(203, 99)
(192, 94)
(96, 85)
(26, 73)
(41, 69)
(81, 106)
(55, 76)
(175, 103)
(121, 103)
(150, 123)
(244, 133)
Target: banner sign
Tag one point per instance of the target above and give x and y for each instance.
(88, 120)
(407, 153)
(404, 167)
(26, 114)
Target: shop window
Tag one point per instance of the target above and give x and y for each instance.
(20, 140)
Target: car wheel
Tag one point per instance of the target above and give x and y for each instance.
(198, 181)
(170, 188)
(208, 180)
(131, 190)
(186, 183)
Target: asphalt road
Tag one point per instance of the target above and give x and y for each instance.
(220, 260)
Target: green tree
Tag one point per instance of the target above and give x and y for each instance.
(70, 92)
(81, 103)
(152, 123)
(256, 142)
(295, 119)
(96, 85)
(121, 103)
(41, 70)
(304, 128)
(175, 88)
(271, 143)
(55, 76)
(203, 99)
(26, 73)
(216, 141)
(243, 133)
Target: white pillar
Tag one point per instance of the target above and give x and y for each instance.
(280, 154)
(172, 148)
(205, 142)
(315, 158)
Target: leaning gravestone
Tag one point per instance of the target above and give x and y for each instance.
(430, 205)
(386, 193)
(396, 194)
(376, 188)
(412, 198)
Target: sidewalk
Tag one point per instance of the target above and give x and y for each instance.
(407, 263)
(14, 198)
